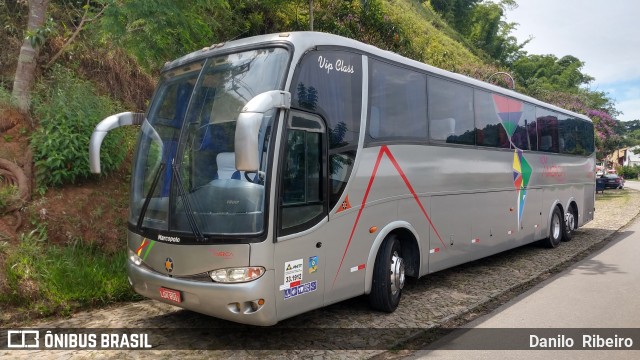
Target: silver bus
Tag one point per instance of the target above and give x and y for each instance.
(282, 173)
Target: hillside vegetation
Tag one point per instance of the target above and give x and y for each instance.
(98, 57)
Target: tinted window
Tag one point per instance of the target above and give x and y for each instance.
(576, 136)
(492, 116)
(330, 83)
(397, 102)
(547, 130)
(450, 112)
(585, 137)
(524, 136)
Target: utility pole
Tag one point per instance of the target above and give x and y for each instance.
(311, 15)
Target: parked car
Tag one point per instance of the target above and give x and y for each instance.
(612, 181)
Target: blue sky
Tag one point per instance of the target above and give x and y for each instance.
(605, 35)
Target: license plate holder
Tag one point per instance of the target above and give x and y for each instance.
(171, 295)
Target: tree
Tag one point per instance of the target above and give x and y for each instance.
(455, 12)
(547, 72)
(25, 71)
(482, 23)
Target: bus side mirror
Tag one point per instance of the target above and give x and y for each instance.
(248, 127)
(101, 130)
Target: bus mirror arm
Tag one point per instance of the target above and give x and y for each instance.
(101, 130)
(248, 127)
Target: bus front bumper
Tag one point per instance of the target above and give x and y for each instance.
(233, 302)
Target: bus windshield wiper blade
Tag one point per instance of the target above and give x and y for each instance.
(187, 205)
(147, 199)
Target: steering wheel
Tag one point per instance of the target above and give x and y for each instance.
(257, 179)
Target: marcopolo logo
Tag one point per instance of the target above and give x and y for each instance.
(169, 238)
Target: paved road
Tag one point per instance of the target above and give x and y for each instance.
(632, 184)
(599, 292)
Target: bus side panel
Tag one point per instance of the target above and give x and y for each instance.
(586, 211)
(345, 273)
(450, 237)
(533, 217)
(473, 226)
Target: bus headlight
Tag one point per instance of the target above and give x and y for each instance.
(135, 258)
(237, 275)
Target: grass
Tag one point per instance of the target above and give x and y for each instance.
(611, 194)
(51, 279)
(8, 195)
(430, 36)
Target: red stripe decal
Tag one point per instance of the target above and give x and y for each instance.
(415, 196)
(383, 150)
(142, 246)
(364, 201)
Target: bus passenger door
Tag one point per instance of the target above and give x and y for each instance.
(302, 206)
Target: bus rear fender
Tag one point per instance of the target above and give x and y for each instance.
(572, 203)
(411, 250)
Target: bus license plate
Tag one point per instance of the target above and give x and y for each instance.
(171, 295)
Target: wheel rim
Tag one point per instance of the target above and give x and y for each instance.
(571, 221)
(555, 227)
(397, 273)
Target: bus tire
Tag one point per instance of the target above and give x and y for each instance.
(570, 224)
(388, 276)
(556, 229)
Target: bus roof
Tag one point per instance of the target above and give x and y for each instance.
(305, 40)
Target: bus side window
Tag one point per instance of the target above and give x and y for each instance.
(441, 129)
(451, 113)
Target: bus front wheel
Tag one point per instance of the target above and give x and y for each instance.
(556, 229)
(388, 276)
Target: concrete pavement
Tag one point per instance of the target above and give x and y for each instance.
(632, 184)
(602, 291)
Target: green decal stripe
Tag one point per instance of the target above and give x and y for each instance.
(146, 253)
(526, 171)
(510, 127)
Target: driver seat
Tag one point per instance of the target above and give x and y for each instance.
(227, 166)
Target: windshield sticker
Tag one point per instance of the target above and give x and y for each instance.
(313, 264)
(146, 244)
(292, 274)
(340, 65)
(300, 289)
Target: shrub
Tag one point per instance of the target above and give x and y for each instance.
(69, 109)
(629, 172)
(51, 279)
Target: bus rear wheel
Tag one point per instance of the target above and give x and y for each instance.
(556, 229)
(388, 276)
(571, 221)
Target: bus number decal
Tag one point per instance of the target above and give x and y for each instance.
(292, 274)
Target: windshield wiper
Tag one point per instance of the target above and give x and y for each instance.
(187, 205)
(147, 200)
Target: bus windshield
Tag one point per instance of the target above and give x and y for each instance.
(184, 176)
